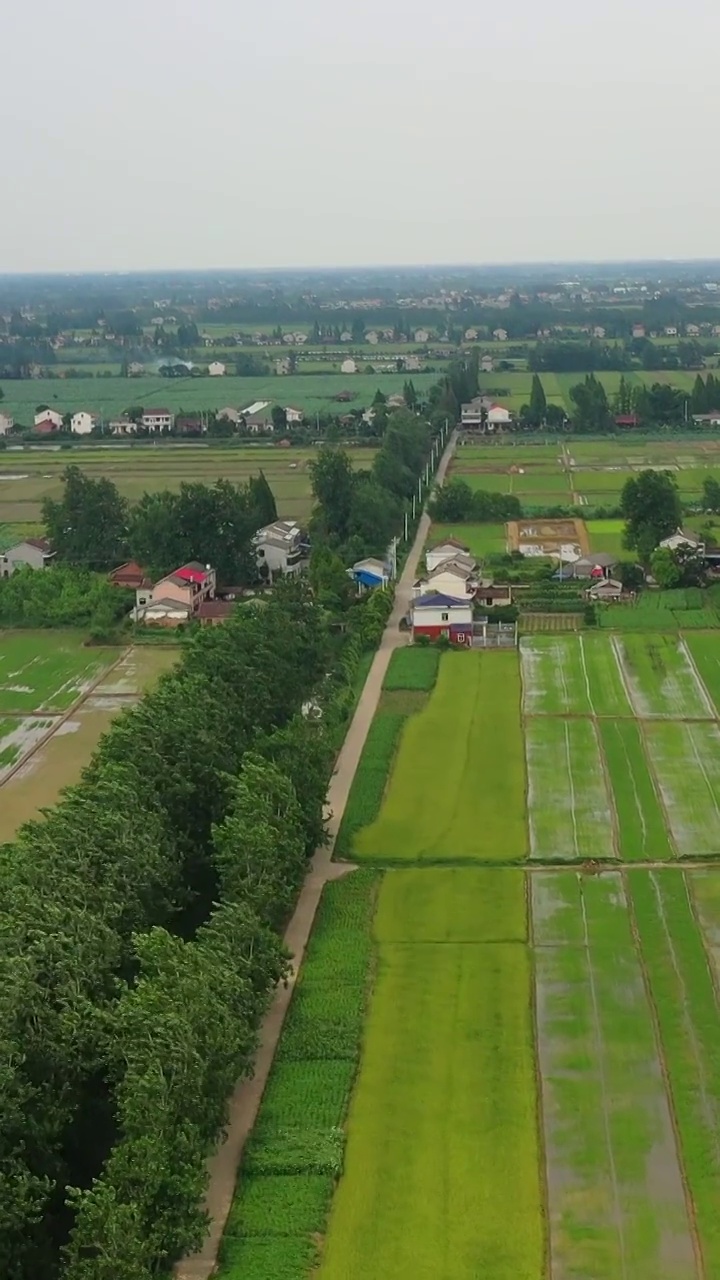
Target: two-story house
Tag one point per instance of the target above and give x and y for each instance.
(33, 552)
(82, 423)
(157, 420)
(178, 596)
(279, 546)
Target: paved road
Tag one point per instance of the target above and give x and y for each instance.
(245, 1100)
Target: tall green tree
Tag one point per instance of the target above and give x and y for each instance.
(650, 504)
(538, 402)
(332, 480)
(88, 525)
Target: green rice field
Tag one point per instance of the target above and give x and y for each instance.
(47, 670)
(507, 1070)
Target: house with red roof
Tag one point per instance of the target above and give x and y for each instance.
(178, 596)
(129, 575)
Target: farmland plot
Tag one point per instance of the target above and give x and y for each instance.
(661, 678)
(18, 736)
(457, 788)
(688, 1017)
(705, 893)
(705, 653)
(642, 830)
(428, 1190)
(616, 1201)
(572, 674)
(686, 760)
(570, 813)
(46, 670)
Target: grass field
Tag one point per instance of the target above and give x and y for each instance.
(109, 397)
(642, 830)
(482, 539)
(661, 678)
(447, 1065)
(27, 479)
(571, 817)
(430, 809)
(571, 674)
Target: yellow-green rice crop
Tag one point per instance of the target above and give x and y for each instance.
(441, 1171)
(457, 790)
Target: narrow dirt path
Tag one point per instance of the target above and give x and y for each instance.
(246, 1097)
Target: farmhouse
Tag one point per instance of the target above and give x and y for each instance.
(82, 423)
(230, 414)
(280, 546)
(129, 575)
(496, 594)
(46, 426)
(500, 335)
(216, 369)
(33, 553)
(292, 415)
(456, 577)
(685, 539)
(442, 551)
(369, 573)
(711, 419)
(176, 597)
(212, 612)
(51, 415)
(606, 589)
(597, 565)
(157, 420)
(6, 424)
(348, 366)
(487, 364)
(434, 615)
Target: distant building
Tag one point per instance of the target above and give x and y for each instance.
(157, 420)
(293, 416)
(370, 573)
(348, 366)
(422, 335)
(230, 414)
(46, 426)
(82, 423)
(500, 335)
(49, 415)
(6, 424)
(35, 553)
(216, 369)
(638, 331)
(279, 546)
(487, 364)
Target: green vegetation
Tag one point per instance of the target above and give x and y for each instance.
(570, 812)
(642, 831)
(370, 781)
(40, 671)
(686, 609)
(448, 1064)
(685, 758)
(295, 1152)
(660, 677)
(572, 674)
(412, 668)
(482, 539)
(705, 653)
(430, 812)
(615, 1189)
(686, 1006)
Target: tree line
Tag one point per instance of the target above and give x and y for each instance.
(140, 943)
(93, 526)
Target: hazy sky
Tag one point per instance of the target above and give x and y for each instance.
(202, 133)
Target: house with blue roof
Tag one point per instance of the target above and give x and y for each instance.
(370, 573)
(435, 614)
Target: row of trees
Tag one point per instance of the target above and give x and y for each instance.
(457, 501)
(140, 943)
(94, 526)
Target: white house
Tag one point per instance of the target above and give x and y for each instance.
(470, 335)
(6, 424)
(157, 420)
(293, 415)
(369, 573)
(45, 415)
(498, 416)
(230, 414)
(372, 337)
(434, 615)
(35, 552)
(685, 539)
(421, 335)
(348, 366)
(346, 336)
(487, 364)
(607, 589)
(450, 549)
(216, 369)
(279, 546)
(692, 330)
(500, 335)
(599, 331)
(671, 331)
(457, 578)
(82, 423)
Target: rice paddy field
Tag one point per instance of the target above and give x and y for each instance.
(551, 472)
(29, 476)
(502, 1057)
(57, 698)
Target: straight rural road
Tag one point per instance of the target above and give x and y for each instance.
(246, 1097)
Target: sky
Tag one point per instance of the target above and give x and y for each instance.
(162, 134)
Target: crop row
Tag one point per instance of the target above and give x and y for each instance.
(412, 667)
(686, 1004)
(371, 777)
(295, 1153)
